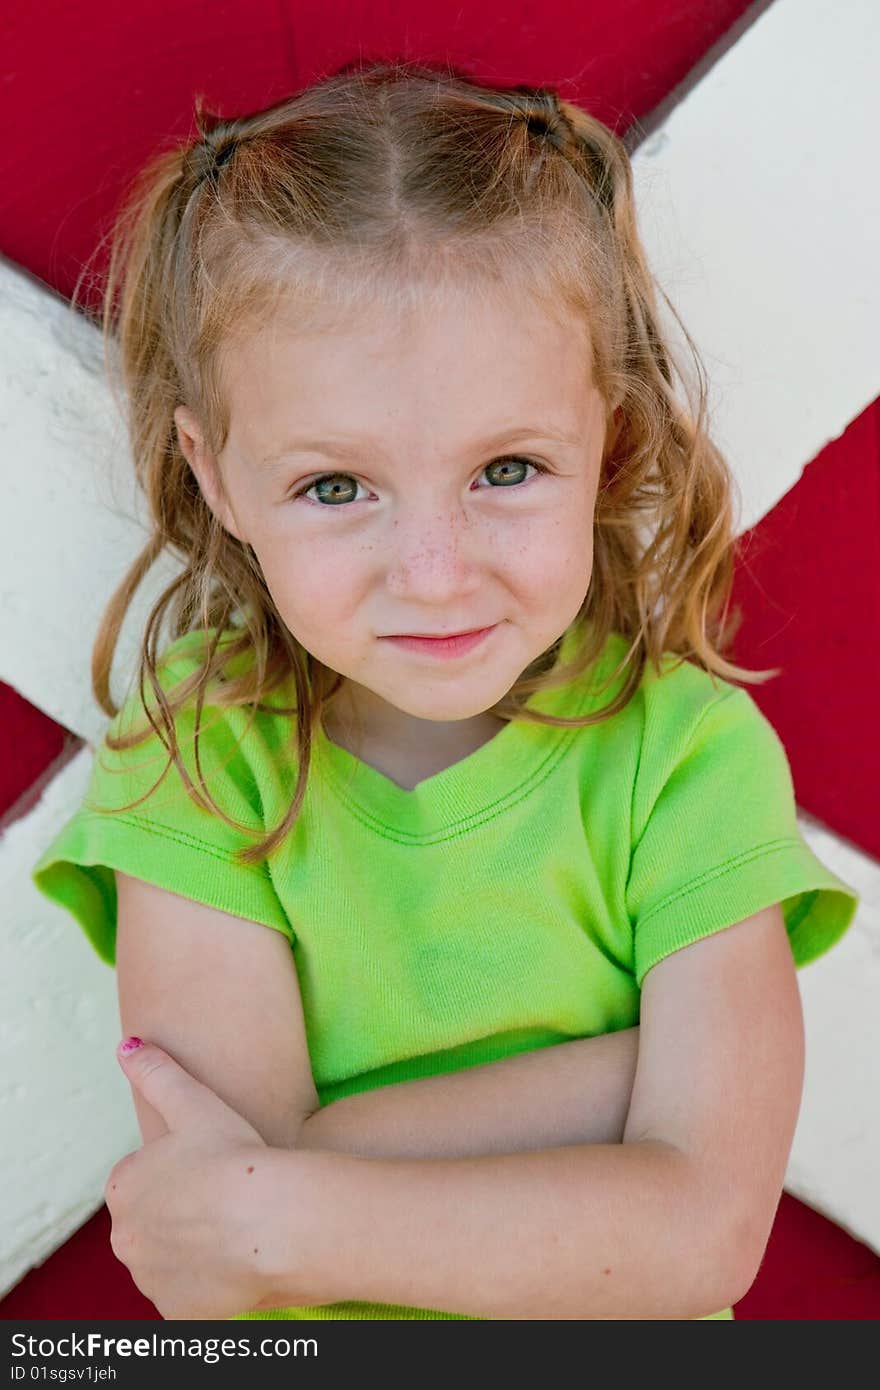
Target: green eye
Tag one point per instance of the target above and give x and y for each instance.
(337, 486)
(514, 461)
(341, 484)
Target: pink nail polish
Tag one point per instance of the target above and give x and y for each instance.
(130, 1045)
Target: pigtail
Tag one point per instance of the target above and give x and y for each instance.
(147, 337)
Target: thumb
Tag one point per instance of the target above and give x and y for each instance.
(179, 1098)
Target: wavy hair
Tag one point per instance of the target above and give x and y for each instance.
(391, 180)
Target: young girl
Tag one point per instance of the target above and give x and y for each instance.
(524, 1038)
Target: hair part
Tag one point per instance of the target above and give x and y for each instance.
(388, 184)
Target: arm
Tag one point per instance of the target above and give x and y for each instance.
(672, 1223)
(591, 1231)
(575, 1092)
(188, 975)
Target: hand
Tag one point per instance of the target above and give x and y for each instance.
(193, 1212)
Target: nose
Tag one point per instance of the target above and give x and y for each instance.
(435, 557)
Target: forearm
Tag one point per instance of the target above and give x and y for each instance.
(575, 1092)
(582, 1232)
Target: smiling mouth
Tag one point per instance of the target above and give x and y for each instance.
(439, 636)
(455, 645)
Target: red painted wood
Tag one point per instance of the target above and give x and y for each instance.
(93, 90)
(33, 746)
(812, 1271)
(808, 582)
(82, 1279)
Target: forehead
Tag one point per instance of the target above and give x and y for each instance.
(458, 366)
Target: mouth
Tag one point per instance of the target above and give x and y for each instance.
(439, 636)
(453, 644)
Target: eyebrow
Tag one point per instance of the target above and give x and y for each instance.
(345, 448)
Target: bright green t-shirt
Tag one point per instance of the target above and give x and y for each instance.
(512, 901)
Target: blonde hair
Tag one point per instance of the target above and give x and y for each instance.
(390, 181)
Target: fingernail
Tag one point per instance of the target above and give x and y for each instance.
(129, 1045)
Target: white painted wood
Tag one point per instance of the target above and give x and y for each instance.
(759, 206)
(835, 1156)
(72, 521)
(66, 1113)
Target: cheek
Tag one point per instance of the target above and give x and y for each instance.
(557, 552)
(307, 582)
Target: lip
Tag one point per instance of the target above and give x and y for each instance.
(451, 646)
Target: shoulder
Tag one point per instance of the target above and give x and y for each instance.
(693, 728)
(181, 672)
(669, 702)
(184, 657)
(715, 836)
(234, 747)
(680, 693)
(180, 660)
(683, 702)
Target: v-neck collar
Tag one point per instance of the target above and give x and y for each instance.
(475, 788)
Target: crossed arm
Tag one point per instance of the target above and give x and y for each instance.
(472, 1229)
(572, 1093)
(628, 1176)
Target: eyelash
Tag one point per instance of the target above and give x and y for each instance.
(503, 458)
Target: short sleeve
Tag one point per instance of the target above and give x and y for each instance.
(716, 839)
(167, 839)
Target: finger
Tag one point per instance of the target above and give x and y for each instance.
(179, 1098)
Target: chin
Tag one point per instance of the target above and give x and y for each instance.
(448, 711)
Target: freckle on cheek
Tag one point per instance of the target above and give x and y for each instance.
(251, 1168)
(606, 1271)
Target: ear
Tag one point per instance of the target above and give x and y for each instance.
(205, 466)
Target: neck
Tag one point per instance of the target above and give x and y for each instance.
(374, 724)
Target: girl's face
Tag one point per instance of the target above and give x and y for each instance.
(431, 474)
